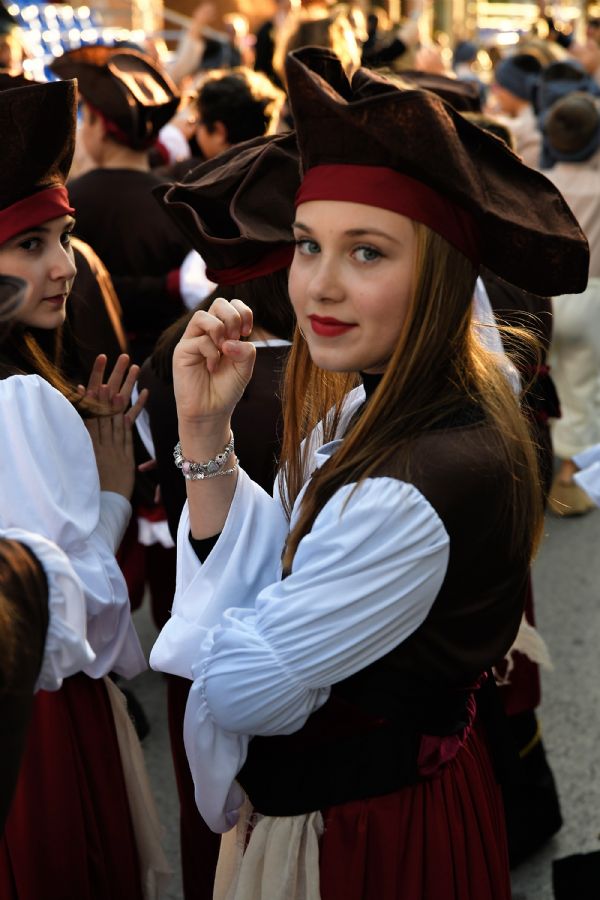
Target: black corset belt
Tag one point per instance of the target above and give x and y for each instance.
(344, 753)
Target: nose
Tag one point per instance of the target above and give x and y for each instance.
(326, 283)
(62, 266)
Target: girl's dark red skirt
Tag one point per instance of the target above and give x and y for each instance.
(442, 839)
(69, 835)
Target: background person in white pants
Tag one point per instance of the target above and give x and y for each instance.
(572, 137)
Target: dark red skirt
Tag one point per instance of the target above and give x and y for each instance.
(443, 839)
(69, 835)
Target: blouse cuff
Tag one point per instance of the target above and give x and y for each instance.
(115, 512)
(66, 649)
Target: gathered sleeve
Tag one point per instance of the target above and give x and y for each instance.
(363, 580)
(49, 484)
(245, 558)
(66, 649)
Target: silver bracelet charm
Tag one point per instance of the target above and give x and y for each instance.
(195, 471)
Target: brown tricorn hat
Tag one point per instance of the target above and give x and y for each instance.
(464, 96)
(237, 208)
(133, 95)
(525, 231)
(37, 123)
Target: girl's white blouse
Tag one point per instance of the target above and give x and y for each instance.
(66, 650)
(263, 652)
(49, 485)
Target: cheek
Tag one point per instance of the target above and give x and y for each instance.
(296, 285)
(17, 263)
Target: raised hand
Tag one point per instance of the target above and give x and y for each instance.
(113, 447)
(119, 384)
(212, 365)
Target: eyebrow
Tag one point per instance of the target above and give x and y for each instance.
(353, 232)
(43, 229)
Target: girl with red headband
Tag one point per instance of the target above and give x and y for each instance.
(42, 613)
(71, 828)
(342, 714)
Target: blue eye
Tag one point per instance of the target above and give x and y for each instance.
(367, 254)
(307, 247)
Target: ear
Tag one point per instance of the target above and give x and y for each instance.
(220, 130)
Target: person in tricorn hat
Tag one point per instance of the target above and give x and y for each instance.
(357, 627)
(53, 484)
(126, 101)
(237, 211)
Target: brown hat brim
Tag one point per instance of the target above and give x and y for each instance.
(234, 207)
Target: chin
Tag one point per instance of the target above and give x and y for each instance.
(49, 322)
(329, 363)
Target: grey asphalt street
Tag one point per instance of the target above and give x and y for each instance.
(567, 593)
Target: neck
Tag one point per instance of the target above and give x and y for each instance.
(370, 382)
(117, 156)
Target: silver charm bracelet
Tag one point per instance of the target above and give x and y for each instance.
(195, 471)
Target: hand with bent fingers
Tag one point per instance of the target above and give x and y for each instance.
(119, 384)
(113, 446)
(211, 365)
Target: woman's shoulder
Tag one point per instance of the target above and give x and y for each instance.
(34, 391)
(34, 413)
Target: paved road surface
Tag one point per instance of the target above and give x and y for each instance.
(567, 585)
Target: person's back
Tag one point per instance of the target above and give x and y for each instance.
(579, 183)
(118, 216)
(127, 99)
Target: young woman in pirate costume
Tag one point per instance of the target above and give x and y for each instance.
(70, 829)
(42, 613)
(343, 688)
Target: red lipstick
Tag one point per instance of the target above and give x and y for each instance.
(326, 326)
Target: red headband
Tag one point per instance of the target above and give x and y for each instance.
(33, 210)
(280, 257)
(399, 193)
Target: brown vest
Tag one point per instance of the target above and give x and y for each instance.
(364, 741)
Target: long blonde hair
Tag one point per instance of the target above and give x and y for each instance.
(437, 364)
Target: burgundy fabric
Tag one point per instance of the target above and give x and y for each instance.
(199, 845)
(443, 839)
(34, 210)
(436, 751)
(395, 191)
(174, 283)
(69, 832)
(279, 257)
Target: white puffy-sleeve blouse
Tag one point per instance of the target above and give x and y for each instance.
(49, 485)
(66, 649)
(263, 652)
